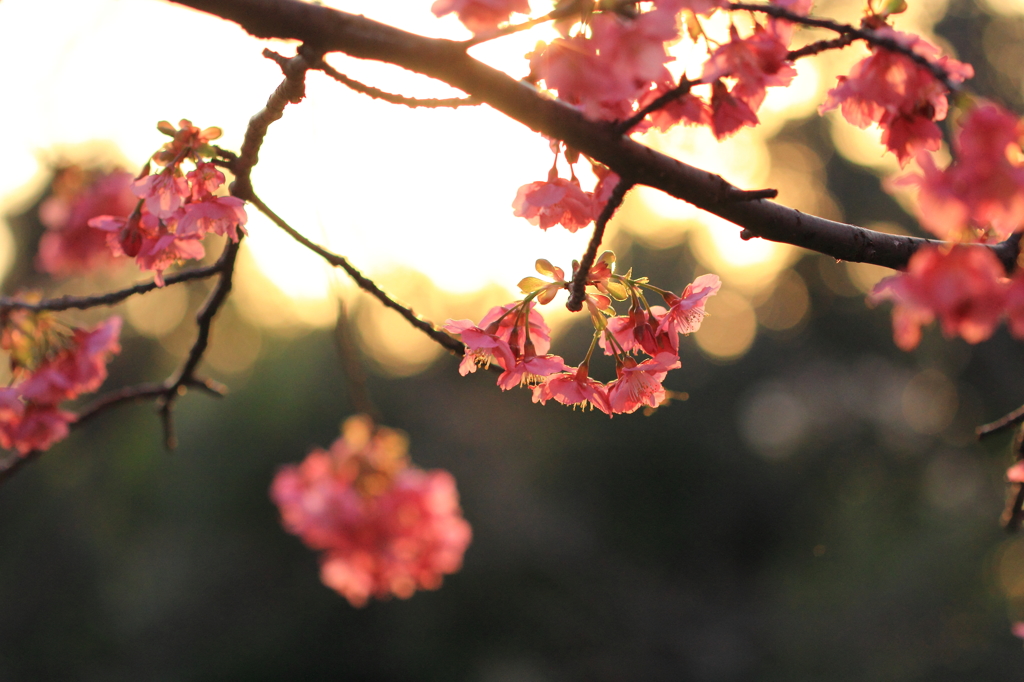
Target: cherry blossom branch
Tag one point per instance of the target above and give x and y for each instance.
(327, 29)
(375, 93)
(108, 299)
(365, 283)
(867, 35)
(577, 289)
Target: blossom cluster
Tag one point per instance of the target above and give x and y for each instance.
(175, 209)
(50, 366)
(558, 201)
(977, 198)
(384, 527)
(515, 338)
(964, 287)
(69, 246)
(897, 94)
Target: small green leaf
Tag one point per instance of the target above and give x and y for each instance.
(528, 285)
(545, 267)
(617, 290)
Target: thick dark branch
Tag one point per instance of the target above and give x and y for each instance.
(365, 283)
(112, 298)
(326, 29)
(578, 288)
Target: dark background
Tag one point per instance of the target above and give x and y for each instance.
(699, 543)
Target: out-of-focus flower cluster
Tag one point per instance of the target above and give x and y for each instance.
(515, 338)
(69, 246)
(51, 364)
(175, 208)
(384, 527)
(979, 197)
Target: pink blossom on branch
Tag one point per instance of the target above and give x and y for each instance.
(573, 387)
(902, 97)
(982, 189)
(606, 73)
(481, 15)
(756, 62)
(638, 385)
(963, 288)
(686, 311)
(30, 418)
(555, 202)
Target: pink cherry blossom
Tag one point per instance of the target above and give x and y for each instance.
(508, 324)
(640, 384)
(963, 288)
(79, 368)
(688, 109)
(481, 15)
(756, 62)
(39, 427)
(385, 528)
(902, 97)
(530, 370)
(982, 188)
(687, 310)
(163, 192)
(204, 180)
(573, 387)
(482, 348)
(555, 202)
(606, 73)
(220, 215)
(729, 113)
(69, 246)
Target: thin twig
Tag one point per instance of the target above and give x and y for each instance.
(366, 284)
(820, 46)
(663, 100)
(355, 375)
(112, 298)
(1004, 422)
(411, 102)
(577, 290)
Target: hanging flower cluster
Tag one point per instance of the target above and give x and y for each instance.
(515, 338)
(175, 208)
(51, 364)
(979, 197)
(384, 526)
